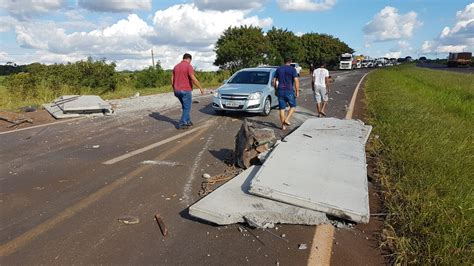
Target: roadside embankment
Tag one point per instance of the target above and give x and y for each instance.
(423, 123)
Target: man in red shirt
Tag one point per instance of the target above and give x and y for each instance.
(182, 81)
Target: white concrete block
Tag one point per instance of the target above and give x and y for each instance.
(231, 203)
(320, 166)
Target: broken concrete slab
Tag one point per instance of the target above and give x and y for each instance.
(68, 106)
(232, 203)
(251, 141)
(320, 166)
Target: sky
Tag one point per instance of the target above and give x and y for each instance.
(125, 31)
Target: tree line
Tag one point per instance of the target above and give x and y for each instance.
(249, 46)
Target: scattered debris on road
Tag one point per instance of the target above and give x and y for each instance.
(128, 219)
(161, 224)
(302, 246)
(206, 176)
(78, 105)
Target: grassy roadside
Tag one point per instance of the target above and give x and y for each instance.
(424, 120)
(10, 102)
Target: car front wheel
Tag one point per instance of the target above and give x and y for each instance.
(267, 107)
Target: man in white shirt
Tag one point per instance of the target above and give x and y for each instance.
(320, 84)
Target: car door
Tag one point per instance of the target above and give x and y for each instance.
(272, 89)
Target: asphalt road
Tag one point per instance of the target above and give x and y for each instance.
(59, 203)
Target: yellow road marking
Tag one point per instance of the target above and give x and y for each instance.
(322, 245)
(25, 238)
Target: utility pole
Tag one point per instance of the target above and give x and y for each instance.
(152, 58)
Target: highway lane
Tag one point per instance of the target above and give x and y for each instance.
(59, 203)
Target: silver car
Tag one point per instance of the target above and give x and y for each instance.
(249, 90)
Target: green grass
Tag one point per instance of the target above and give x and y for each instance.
(124, 90)
(425, 123)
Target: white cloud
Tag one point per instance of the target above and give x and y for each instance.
(223, 5)
(393, 54)
(306, 5)
(115, 5)
(176, 30)
(186, 25)
(7, 23)
(456, 39)
(116, 42)
(28, 8)
(389, 25)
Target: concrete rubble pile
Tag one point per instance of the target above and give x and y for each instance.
(69, 106)
(316, 171)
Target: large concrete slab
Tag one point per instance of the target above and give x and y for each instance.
(232, 203)
(69, 106)
(320, 166)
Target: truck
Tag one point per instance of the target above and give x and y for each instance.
(459, 59)
(347, 61)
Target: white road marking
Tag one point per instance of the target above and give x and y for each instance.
(354, 96)
(187, 189)
(154, 145)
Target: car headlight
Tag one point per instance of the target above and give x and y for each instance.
(217, 94)
(255, 95)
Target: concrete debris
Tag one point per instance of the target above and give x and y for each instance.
(256, 221)
(302, 246)
(250, 141)
(127, 219)
(206, 176)
(95, 146)
(325, 173)
(232, 203)
(68, 106)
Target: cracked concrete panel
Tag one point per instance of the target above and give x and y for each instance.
(232, 203)
(320, 166)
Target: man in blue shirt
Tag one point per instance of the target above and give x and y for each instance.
(287, 86)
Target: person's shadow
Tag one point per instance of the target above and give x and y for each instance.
(160, 117)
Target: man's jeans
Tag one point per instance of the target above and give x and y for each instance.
(185, 98)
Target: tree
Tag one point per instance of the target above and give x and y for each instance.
(285, 44)
(240, 47)
(323, 48)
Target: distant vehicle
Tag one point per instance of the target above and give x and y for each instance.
(249, 90)
(347, 61)
(358, 63)
(367, 63)
(380, 62)
(459, 59)
(297, 67)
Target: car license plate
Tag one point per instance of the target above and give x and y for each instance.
(233, 104)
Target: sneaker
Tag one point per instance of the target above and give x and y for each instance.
(190, 124)
(183, 127)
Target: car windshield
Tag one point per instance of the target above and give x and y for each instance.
(250, 77)
(293, 65)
